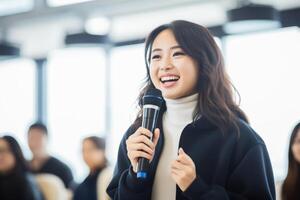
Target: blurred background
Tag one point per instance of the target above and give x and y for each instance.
(77, 66)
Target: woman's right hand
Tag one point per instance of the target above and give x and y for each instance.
(139, 145)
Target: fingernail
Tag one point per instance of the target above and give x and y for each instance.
(180, 150)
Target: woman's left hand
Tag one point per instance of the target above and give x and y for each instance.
(183, 170)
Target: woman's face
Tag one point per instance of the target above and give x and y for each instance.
(171, 70)
(296, 147)
(92, 156)
(7, 159)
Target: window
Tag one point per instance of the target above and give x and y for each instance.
(76, 103)
(128, 71)
(15, 6)
(17, 102)
(265, 69)
(64, 2)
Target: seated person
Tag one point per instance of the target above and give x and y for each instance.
(93, 151)
(41, 161)
(15, 181)
(290, 187)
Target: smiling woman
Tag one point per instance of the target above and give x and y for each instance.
(203, 147)
(171, 70)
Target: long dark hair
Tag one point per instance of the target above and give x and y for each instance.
(21, 164)
(99, 144)
(291, 184)
(16, 179)
(216, 102)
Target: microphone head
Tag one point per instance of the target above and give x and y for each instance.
(153, 97)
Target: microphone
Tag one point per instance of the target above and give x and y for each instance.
(152, 103)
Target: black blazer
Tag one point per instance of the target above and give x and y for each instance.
(228, 165)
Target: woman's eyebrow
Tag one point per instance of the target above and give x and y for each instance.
(172, 48)
(175, 47)
(157, 49)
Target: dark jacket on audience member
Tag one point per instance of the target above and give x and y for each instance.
(229, 165)
(60, 169)
(88, 188)
(19, 187)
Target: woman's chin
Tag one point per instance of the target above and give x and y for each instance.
(170, 94)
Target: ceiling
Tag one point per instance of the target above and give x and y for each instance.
(18, 10)
(130, 18)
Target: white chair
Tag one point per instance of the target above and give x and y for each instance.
(52, 187)
(102, 182)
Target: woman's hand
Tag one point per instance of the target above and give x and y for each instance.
(183, 170)
(139, 145)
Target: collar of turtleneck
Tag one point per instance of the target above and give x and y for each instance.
(180, 111)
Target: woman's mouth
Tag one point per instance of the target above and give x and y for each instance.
(169, 81)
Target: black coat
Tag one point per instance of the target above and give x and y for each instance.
(229, 165)
(88, 188)
(19, 186)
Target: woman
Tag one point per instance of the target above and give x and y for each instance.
(291, 184)
(203, 147)
(93, 150)
(15, 181)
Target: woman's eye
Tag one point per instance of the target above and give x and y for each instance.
(155, 57)
(179, 53)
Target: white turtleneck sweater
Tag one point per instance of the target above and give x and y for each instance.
(179, 113)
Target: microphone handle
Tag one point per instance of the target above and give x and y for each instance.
(149, 122)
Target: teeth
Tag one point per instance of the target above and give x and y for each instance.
(169, 78)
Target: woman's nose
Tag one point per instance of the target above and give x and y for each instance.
(166, 64)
